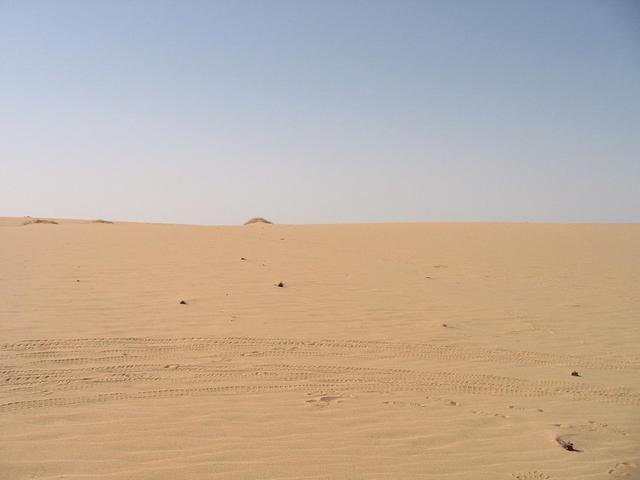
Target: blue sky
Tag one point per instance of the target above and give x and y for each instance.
(321, 112)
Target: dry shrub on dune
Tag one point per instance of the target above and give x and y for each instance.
(102, 221)
(258, 220)
(39, 220)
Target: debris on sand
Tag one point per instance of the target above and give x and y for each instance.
(567, 445)
(182, 302)
(280, 284)
(575, 374)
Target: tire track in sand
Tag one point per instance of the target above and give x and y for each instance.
(147, 348)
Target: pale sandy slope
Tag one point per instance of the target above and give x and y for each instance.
(346, 373)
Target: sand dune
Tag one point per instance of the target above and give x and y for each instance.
(394, 351)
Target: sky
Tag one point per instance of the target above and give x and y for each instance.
(212, 112)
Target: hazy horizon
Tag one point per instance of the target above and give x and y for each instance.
(327, 112)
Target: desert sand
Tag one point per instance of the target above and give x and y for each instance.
(392, 351)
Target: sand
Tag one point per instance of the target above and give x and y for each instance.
(392, 351)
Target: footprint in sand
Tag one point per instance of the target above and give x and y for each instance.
(323, 400)
(525, 409)
(623, 470)
(591, 426)
(533, 475)
(489, 414)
